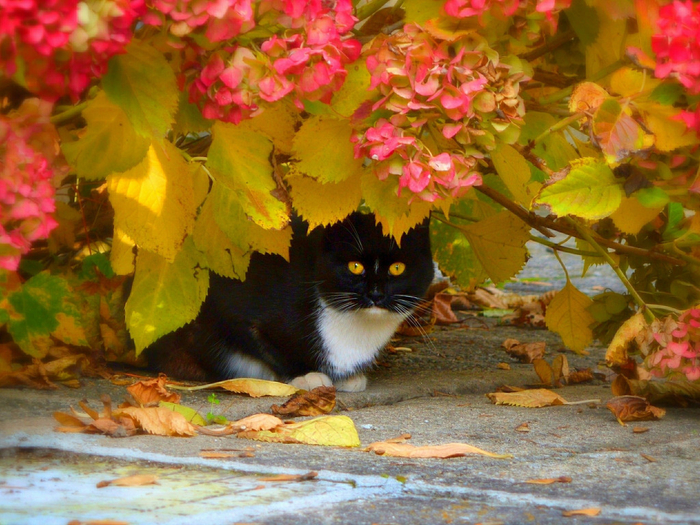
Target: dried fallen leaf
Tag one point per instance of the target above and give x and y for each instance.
(450, 450)
(527, 352)
(415, 327)
(152, 391)
(336, 431)
(255, 387)
(540, 397)
(649, 458)
(503, 366)
(510, 343)
(227, 453)
(560, 479)
(580, 376)
(158, 420)
(442, 309)
(581, 512)
(255, 422)
(623, 339)
(640, 430)
(633, 408)
(137, 480)
(291, 477)
(677, 392)
(190, 414)
(317, 402)
(523, 427)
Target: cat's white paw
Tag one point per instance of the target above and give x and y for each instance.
(356, 383)
(311, 380)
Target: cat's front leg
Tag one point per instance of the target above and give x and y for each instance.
(356, 383)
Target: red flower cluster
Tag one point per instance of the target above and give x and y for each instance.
(502, 8)
(27, 143)
(678, 347)
(455, 88)
(221, 19)
(63, 44)
(677, 44)
(305, 58)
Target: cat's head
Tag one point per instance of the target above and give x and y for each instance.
(361, 268)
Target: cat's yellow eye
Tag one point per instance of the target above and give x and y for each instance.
(397, 268)
(356, 268)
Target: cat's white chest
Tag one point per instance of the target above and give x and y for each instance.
(351, 339)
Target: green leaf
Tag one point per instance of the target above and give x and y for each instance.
(154, 202)
(419, 11)
(589, 191)
(34, 310)
(667, 93)
(584, 20)
(188, 118)
(514, 170)
(323, 150)
(499, 242)
(165, 295)
(92, 264)
(568, 315)
(109, 144)
(652, 197)
(240, 159)
(554, 149)
(190, 414)
(143, 84)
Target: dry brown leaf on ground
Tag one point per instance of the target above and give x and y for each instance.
(581, 512)
(416, 327)
(159, 421)
(633, 408)
(317, 402)
(42, 376)
(523, 427)
(449, 450)
(338, 431)
(580, 376)
(527, 352)
(137, 480)
(510, 343)
(255, 422)
(248, 386)
(227, 453)
(555, 375)
(152, 391)
(549, 481)
(291, 477)
(537, 398)
(442, 309)
(503, 366)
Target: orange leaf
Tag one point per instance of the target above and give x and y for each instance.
(442, 309)
(136, 480)
(581, 512)
(560, 479)
(634, 408)
(291, 477)
(527, 352)
(317, 402)
(152, 391)
(450, 450)
(159, 420)
(540, 397)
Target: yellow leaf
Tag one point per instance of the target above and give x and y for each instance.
(449, 450)
(256, 422)
(277, 122)
(394, 213)
(355, 89)
(671, 133)
(607, 47)
(323, 149)
(323, 204)
(164, 295)
(628, 82)
(160, 421)
(537, 398)
(587, 96)
(154, 201)
(514, 171)
(109, 144)
(239, 159)
(631, 216)
(221, 255)
(568, 315)
(254, 387)
(625, 335)
(122, 255)
(331, 431)
(498, 242)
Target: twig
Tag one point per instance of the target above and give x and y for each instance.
(563, 93)
(551, 45)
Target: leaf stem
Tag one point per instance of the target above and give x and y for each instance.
(558, 247)
(563, 93)
(369, 9)
(68, 114)
(554, 43)
(556, 127)
(583, 231)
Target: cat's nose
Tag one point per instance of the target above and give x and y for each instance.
(376, 296)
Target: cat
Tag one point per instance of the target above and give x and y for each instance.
(319, 319)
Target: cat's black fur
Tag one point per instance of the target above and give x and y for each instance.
(284, 319)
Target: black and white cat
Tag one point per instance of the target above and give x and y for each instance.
(319, 319)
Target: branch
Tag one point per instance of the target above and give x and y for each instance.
(554, 43)
(563, 93)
